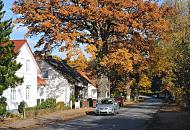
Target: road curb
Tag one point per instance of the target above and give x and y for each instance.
(43, 122)
(155, 115)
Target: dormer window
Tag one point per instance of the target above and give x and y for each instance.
(45, 74)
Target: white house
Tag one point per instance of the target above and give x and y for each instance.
(41, 90)
(58, 85)
(91, 89)
(63, 82)
(28, 90)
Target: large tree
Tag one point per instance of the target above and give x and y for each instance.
(171, 61)
(8, 65)
(119, 34)
(181, 34)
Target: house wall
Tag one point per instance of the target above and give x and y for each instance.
(41, 93)
(57, 86)
(92, 91)
(27, 91)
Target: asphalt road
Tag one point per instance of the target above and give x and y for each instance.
(133, 118)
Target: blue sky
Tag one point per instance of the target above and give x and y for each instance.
(19, 32)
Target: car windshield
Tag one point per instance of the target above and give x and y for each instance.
(107, 101)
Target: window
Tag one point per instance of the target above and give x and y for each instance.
(22, 63)
(108, 94)
(27, 65)
(28, 92)
(38, 101)
(13, 94)
(45, 75)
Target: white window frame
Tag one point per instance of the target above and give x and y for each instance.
(22, 62)
(13, 93)
(27, 65)
(28, 92)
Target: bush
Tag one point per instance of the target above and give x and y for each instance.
(12, 115)
(21, 106)
(3, 106)
(48, 103)
(61, 106)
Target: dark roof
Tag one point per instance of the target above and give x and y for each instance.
(64, 68)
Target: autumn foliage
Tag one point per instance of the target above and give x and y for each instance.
(118, 34)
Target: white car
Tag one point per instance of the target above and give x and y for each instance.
(107, 106)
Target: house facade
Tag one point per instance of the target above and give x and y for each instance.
(46, 78)
(57, 85)
(91, 91)
(27, 91)
(63, 82)
(41, 90)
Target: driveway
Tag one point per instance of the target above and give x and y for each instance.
(135, 117)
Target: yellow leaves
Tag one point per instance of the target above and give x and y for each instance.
(120, 59)
(145, 82)
(92, 50)
(46, 24)
(77, 59)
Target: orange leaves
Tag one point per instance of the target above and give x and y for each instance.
(92, 50)
(77, 59)
(46, 24)
(136, 24)
(120, 60)
(115, 32)
(122, 28)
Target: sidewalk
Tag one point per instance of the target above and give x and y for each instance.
(44, 120)
(51, 118)
(170, 117)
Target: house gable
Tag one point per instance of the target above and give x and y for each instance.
(19, 45)
(27, 91)
(65, 69)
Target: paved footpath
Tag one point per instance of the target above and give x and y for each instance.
(51, 118)
(136, 117)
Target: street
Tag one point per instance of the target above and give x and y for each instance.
(133, 118)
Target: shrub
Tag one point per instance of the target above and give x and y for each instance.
(3, 106)
(61, 106)
(12, 115)
(21, 107)
(48, 103)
